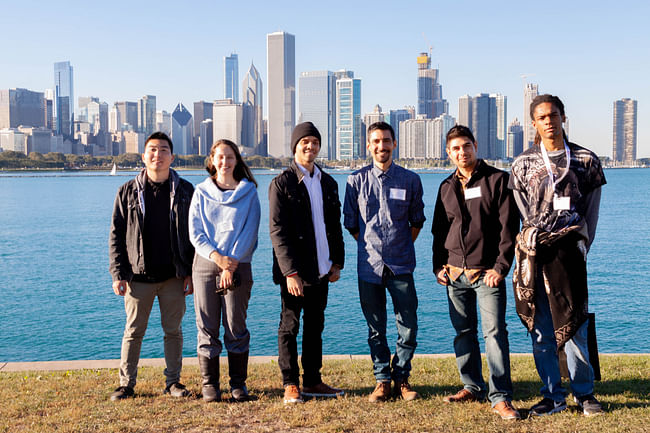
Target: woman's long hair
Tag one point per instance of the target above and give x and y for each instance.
(241, 171)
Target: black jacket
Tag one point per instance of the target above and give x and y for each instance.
(292, 230)
(125, 243)
(478, 233)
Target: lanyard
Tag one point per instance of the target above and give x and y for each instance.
(547, 164)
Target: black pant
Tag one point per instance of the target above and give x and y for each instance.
(313, 304)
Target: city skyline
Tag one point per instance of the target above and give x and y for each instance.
(572, 57)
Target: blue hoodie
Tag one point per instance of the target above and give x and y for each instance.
(225, 221)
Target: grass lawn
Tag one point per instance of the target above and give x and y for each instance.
(77, 401)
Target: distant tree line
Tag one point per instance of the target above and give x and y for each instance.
(56, 160)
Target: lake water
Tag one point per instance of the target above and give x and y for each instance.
(58, 303)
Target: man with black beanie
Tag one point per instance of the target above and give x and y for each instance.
(308, 254)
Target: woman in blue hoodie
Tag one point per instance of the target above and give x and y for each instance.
(224, 220)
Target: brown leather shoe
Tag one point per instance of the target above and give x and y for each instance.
(461, 396)
(403, 389)
(381, 392)
(506, 410)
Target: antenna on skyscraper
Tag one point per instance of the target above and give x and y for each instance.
(428, 44)
(524, 76)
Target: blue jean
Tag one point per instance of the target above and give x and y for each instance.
(405, 303)
(581, 374)
(462, 296)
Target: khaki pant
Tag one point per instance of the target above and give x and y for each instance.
(138, 302)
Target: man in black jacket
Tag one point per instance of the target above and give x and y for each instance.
(308, 254)
(151, 255)
(474, 228)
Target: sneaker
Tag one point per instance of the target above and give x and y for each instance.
(322, 390)
(176, 389)
(292, 394)
(122, 392)
(506, 410)
(547, 407)
(590, 406)
(461, 396)
(403, 389)
(381, 392)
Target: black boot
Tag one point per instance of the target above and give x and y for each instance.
(210, 374)
(238, 371)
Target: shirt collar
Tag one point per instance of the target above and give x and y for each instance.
(306, 173)
(378, 172)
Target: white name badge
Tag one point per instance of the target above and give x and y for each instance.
(398, 194)
(561, 203)
(471, 193)
(226, 226)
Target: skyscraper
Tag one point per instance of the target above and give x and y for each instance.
(231, 77)
(349, 143)
(317, 104)
(422, 138)
(530, 92)
(430, 102)
(182, 130)
(63, 98)
(21, 107)
(147, 115)
(227, 121)
(128, 115)
(624, 145)
(281, 73)
(395, 118)
(485, 115)
(515, 139)
(253, 120)
(202, 111)
(501, 106)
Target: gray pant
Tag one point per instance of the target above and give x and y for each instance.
(138, 301)
(211, 309)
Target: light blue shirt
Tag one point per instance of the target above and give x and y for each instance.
(382, 207)
(225, 221)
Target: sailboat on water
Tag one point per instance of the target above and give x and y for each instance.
(114, 169)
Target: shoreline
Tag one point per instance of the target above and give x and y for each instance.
(160, 362)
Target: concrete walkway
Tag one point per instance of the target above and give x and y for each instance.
(155, 362)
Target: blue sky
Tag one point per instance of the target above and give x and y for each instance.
(589, 53)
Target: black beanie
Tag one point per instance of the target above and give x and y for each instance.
(302, 130)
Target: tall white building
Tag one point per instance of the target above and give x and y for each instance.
(281, 75)
(164, 122)
(530, 92)
(227, 121)
(317, 104)
(349, 133)
(423, 138)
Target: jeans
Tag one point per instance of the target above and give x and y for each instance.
(313, 305)
(405, 303)
(138, 301)
(462, 296)
(581, 374)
